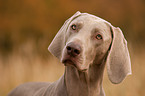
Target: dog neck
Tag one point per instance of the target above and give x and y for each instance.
(88, 83)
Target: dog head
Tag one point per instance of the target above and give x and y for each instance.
(85, 39)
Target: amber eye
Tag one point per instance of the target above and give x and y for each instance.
(74, 27)
(98, 37)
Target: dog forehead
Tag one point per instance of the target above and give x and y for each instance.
(90, 20)
(92, 23)
(89, 17)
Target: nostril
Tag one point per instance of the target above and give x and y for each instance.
(76, 51)
(68, 48)
(73, 49)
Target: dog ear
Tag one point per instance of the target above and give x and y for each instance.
(58, 42)
(118, 60)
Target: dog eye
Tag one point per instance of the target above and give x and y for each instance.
(73, 27)
(98, 37)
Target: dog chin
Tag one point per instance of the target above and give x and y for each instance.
(69, 62)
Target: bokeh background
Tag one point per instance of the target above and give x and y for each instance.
(28, 26)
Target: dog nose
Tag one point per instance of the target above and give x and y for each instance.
(73, 49)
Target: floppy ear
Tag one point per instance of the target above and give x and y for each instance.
(118, 60)
(58, 42)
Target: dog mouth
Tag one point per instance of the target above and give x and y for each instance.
(69, 62)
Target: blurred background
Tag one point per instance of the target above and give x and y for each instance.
(28, 26)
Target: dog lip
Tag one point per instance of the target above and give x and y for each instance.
(68, 62)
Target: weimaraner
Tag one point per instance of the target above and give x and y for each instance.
(84, 44)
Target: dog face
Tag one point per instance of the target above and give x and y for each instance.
(87, 40)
